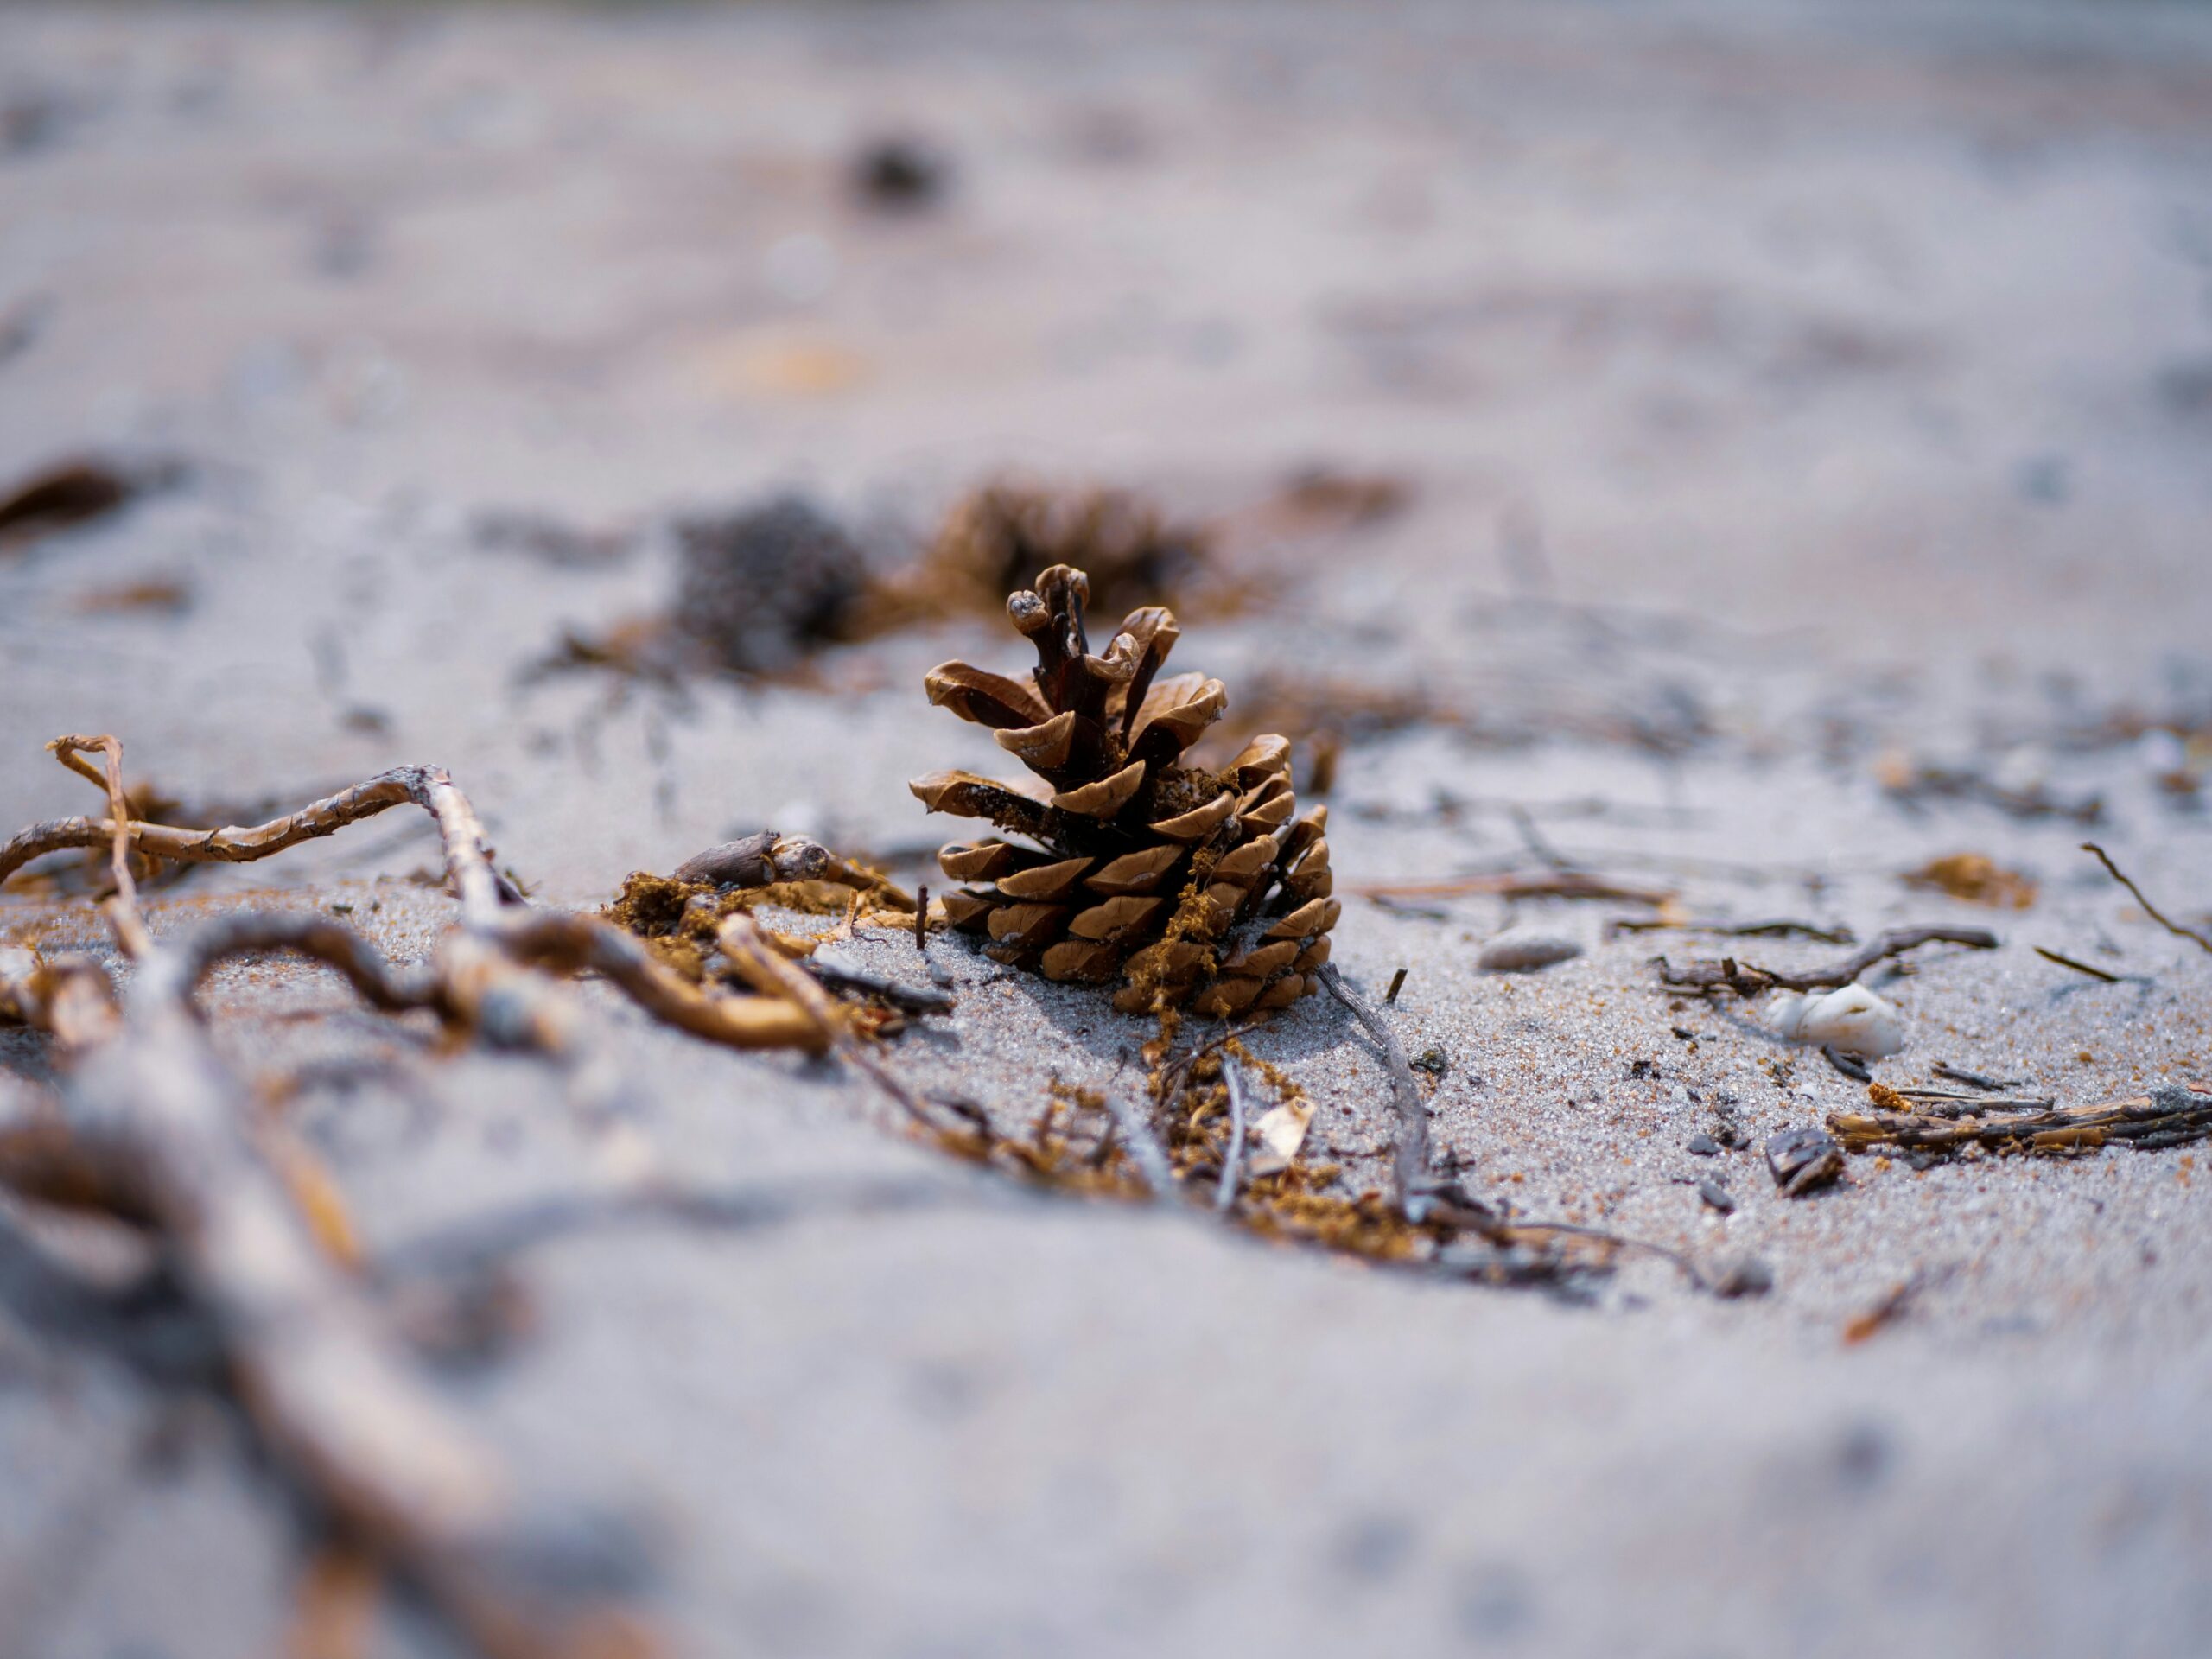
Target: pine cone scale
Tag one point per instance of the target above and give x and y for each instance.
(1191, 885)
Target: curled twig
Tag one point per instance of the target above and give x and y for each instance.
(2149, 909)
(121, 909)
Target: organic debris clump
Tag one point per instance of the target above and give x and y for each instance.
(1188, 886)
(761, 589)
(994, 536)
(679, 918)
(1977, 879)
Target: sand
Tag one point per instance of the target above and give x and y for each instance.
(1786, 397)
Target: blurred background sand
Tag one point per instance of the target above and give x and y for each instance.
(1775, 400)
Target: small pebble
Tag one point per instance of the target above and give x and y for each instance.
(1702, 1145)
(1522, 950)
(1745, 1276)
(1717, 1195)
(1802, 1159)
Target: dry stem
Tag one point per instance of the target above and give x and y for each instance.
(1745, 979)
(2156, 915)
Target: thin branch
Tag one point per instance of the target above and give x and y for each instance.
(839, 974)
(2151, 910)
(193, 955)
(467, 860)
(1739, 929)
(1746, 980)
(1410, 1163)
(1558, 884)
(1225, 1194)
(1144, 1148)
(122, 910)
(2078, 967)
(764, 967)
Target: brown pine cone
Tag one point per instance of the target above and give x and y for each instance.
(1191, 887)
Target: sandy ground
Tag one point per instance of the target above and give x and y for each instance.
(1785, 396)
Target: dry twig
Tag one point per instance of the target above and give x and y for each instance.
(1409, 1163)
(2149, 909)
(1225, 1193)
(1746, 980)
(2170, 1116)
(2078, 967)
(150, 1126)
(1555, 883)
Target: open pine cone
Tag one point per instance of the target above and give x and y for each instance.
(1191, 887)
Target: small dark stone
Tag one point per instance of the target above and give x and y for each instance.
(1717, 1195)
(1434, 1061)
(900, 172)
(1921, 1160)
(1745, 1276)
(1702, 1145)
(1802, 1159)
(1640, 1068)
(1685, 1033)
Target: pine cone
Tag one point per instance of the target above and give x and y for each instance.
(1191, 887)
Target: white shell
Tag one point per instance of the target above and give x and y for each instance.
(1281, 1130)
(1520, 950)
(1852, 1019)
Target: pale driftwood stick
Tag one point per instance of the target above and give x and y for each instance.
(323, 1387)
(1409, 1166)
(1746, 980)
(1225, 1194)
(123, 909)
(1145, 1150)
(71, 997)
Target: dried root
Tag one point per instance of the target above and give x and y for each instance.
(150, 1127)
